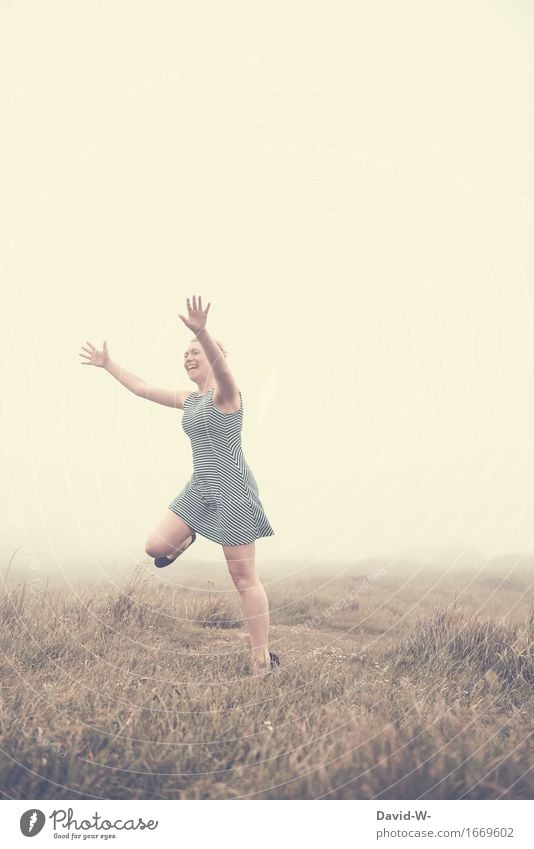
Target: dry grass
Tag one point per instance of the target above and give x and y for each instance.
(391, 688)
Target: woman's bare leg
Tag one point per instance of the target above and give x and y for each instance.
(241, 565)
(168, 537)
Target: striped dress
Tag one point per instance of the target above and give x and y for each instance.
(221, 499)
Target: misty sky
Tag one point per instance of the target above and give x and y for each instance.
(353, 192)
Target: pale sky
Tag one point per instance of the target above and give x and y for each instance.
(351, 185)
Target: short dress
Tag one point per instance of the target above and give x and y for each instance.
(221, 499)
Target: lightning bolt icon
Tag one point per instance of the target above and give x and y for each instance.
(33, 820)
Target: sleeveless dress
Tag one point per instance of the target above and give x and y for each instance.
(221, 499)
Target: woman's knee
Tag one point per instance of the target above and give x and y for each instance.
(155, 547)
(244, 576)
(167, 536)
(158, 546)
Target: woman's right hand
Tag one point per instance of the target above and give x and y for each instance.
(93, 357)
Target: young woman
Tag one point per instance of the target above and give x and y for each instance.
(221, 499)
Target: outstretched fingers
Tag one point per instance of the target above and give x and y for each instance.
(193, 304)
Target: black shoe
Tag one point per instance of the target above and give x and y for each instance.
(275, 660)
(160, 562)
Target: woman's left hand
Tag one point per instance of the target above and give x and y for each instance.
(197, 317)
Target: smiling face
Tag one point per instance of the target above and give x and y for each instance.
(196, 363)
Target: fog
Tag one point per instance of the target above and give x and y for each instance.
(353, 192)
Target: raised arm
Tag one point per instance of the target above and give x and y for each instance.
(196, 321)
(91, 356)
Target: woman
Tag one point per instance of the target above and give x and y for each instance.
(221, 499)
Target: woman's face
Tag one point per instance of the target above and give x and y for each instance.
(196, 363)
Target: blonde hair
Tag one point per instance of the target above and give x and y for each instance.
(218, 343)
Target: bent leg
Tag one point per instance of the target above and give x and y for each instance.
(168, 536)
(241, 565)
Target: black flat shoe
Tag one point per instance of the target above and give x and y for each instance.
(275, 660)
(160, 562)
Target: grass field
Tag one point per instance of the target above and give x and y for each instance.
(393, 686)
